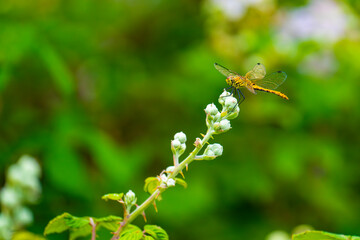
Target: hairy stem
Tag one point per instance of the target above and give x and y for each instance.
(178, 168)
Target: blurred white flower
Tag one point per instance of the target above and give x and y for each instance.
(10, 197)
(236, 9)
(23, 216)
(5, 227)
(30, 165)
(320, 20)
(319, 64)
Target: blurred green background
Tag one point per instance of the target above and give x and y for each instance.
(95, 90)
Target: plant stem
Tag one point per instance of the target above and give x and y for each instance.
(158, 191)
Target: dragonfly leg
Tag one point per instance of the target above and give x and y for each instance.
(240, 99)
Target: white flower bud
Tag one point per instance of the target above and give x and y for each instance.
(10, 197)
(217, 149)
(163, 178)
(182, 148)
(176, 143)
(212, 151)
(234, 113)
(230, 103)
(180, 136)
(222, 126)
(211, 109)
(223, 96)
(217, 116)
(170, 182)
(23, 216)
(170, 169)
(130, 198)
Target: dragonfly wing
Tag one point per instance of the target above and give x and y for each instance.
(258, 72)
(271, 81)
(226, 72)
(250, 88)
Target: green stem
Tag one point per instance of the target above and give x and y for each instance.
(158, 191)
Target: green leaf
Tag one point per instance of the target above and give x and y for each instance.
(151, 183)
(58, 224)
(131, 232)
(79, 227)
(181, 182)
(113, 196)
(156, 232)
(148, 238)
(80, 232)
(110, 222)
(319, 235)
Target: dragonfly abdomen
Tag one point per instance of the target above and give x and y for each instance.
(280, 94)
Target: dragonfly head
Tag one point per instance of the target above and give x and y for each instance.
(230, 81)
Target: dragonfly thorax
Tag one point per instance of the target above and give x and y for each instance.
(236, 81)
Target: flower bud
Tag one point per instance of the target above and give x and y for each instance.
(222, 126)
(211, 109)
(217, 149)
(130, 199)
(212, 151)
(163, 178)
(170, 182)
(170, 169)
(176, 144)
(180, 136)
(182, 148)
(230, 103)
(233, 114)
(223, 96)
(225, 125)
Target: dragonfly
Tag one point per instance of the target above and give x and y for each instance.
(256, 79)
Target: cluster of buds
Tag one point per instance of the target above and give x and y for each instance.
(165, 181)
(220, 120)
(178, 146)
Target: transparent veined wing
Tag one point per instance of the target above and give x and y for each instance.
(271, 81)
(226, 72)
(258, 72)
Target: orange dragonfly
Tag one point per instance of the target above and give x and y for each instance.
(256, 79)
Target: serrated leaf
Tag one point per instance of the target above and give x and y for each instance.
(319, 235)
(78, 226)
(110, 222)
(151, 183)
(160, 233)
(112, 196)
(181, 182)
(58, 224)
(77, 222)
(80, 232)
(148, 238)
(131, 232)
